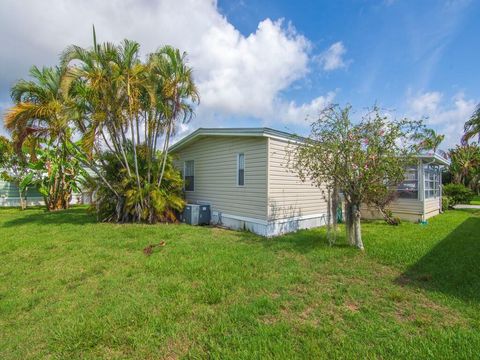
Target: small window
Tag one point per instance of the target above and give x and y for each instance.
(241, 169)
(189, 175)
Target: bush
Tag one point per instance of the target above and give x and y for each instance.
(158, 203)
(458, 194)
(446, 203)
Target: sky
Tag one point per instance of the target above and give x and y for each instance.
(276, 63)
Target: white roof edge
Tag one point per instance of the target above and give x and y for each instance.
(260, 132)
(437, 158)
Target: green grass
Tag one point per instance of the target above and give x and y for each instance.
(476, 200)
(72, 288)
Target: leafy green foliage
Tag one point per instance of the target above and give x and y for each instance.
(465, 165)
(458, 194)
(61, 175)
(446, 202)
(472, 127)
(158, 203)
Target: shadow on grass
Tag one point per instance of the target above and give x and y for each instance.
(453, 266)
(73, 216)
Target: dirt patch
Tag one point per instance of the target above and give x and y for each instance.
(352, 307)
(149, 249)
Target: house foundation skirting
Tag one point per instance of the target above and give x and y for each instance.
(268, 228)
(15, 201)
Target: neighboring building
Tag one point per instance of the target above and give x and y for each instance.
(9, 195)
(420, 195)
(244, 175)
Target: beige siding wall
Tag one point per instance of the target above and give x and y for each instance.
(432, 204)
(215, 160)
(406, 209)
(288, 195)
(432, 207)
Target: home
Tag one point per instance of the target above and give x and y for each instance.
(243, 174)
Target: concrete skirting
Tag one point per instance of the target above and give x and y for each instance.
(268, 228)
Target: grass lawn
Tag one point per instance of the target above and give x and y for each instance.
(72, 288)
(476, 200)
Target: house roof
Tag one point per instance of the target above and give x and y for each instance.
(255, 132)
(435, 158)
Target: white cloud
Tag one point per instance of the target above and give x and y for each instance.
(237, 75)
(304, 113)
(445, 116)
(425, 103)
(332, 58)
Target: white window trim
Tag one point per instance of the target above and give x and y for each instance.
(238, 170)
(436, 181)
(184, 171)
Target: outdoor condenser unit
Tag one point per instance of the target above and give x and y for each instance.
(194, 214)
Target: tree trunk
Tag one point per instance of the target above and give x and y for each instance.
(357, 226)
(23, 203)
(349, 228)
(335, 201)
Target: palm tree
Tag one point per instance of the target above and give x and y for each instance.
(40, 115)
(472, 127)
(431, 140)
(178, 93)
(39, 110)
(465, 161)
(124, 106)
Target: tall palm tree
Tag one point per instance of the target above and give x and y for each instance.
(472, 127)
(40, 115)
(178, 93)
(124, 105)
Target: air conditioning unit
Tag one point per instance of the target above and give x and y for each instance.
(204, 215)
(194, 214)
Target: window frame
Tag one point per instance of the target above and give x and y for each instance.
(184, 175)
(431, 181)
(238, 170)
(410, 170)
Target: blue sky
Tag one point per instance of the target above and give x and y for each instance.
(275, 63)
(396, 51)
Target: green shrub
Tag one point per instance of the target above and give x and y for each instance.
(458, 194)
(446, 203)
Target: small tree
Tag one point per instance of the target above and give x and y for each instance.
(14, 168)
(59, 175)
(364, 160)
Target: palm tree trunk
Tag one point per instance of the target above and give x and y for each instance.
(165, 151)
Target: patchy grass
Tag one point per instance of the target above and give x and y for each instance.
(73, 288)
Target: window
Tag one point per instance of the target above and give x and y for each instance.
(241, 169)
(408, 189)
(432, 181)
(189, 175)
